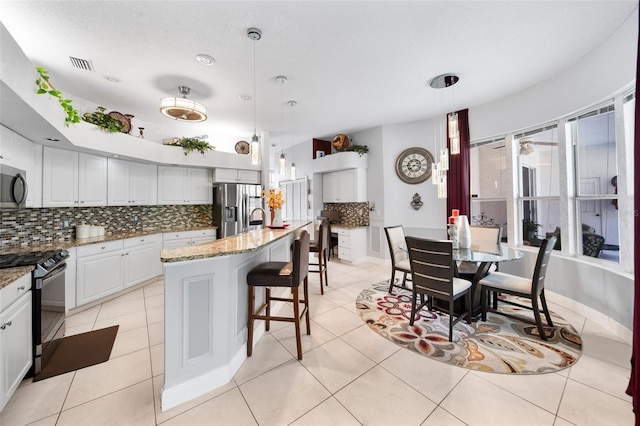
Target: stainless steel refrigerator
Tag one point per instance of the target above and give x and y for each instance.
(237, 208)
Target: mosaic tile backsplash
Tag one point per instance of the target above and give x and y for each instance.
(351, 214)
(37, 226)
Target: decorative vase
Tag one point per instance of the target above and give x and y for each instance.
(464, 232)
(276, 218)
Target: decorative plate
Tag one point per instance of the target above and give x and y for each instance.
(126, 124)
(340, 142)
(242, 147)
(414, 165)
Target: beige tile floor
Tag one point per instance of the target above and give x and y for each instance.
(349, 376)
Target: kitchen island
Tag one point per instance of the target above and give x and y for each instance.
(206, 308)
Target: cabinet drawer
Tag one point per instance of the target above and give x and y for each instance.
(99, 248)
(342, 231)
(14, 291)
(344, 253)
(344, 241)
(167, 236)
(138, 241)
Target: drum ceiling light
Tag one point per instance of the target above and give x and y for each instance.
(183, 109)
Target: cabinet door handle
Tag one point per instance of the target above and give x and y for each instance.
(142, 240)
(5, 325)
(102, 248)
(21, 288)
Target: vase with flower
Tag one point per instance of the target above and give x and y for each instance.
(274, 202)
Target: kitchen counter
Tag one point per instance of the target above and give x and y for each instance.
(64, 245)
(342, 226)
(241, 243)
(9, 275)
(205, 312)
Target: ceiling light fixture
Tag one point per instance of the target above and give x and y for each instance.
(254, 34)
(183, 109)
(283, 165)
(205, 59)
(293, 165)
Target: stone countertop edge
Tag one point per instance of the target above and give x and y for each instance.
(76, 242)
(241, 243)
(10, 275)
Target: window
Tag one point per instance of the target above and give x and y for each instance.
(593, 135)
(539, 186)
(489, 184)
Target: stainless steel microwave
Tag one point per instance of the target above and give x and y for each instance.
(13, 187)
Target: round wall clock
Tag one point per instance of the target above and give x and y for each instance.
(414, 165)
(242, 147)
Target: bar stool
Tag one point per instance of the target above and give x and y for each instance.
(281, 274)
(321, 246)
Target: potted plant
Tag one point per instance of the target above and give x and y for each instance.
(530, 230)
(104, 121)
(360, 149)
(193, 144)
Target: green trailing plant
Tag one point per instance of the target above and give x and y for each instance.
(45, 87)
(360, 149)
(194, 144)
(102, 120)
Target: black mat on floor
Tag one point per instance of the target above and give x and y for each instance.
(80, 351)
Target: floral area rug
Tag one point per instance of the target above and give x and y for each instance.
(506, 343)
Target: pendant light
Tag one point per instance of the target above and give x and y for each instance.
(283, 165)
(183, 109)
(254, 34)
(293, 165)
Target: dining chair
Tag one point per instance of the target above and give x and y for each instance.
(532, 289)
(432, 276)
(399, 255)
(483, 238)
(321, 247)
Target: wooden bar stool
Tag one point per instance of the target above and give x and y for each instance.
(321, 246)
(281, 274)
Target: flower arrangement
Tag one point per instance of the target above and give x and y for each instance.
(274, 198)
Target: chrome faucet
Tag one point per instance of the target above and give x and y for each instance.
(264, 215)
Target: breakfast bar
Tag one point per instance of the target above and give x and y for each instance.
(206, 308)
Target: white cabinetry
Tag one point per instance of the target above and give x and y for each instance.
(131, 183)
(73, 179)
(15, 335)
(181, 185)
(352, 244)
(236, 176)
(171, 240)
(344, 186)
(106, 268)
(20, 153)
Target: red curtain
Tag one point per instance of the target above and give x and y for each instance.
(458, 178)
(634, 383)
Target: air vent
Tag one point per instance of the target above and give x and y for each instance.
(82, 64)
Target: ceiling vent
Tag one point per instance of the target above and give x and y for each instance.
(82, 64)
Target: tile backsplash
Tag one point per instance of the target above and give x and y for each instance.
(45, 225)
(351, 214)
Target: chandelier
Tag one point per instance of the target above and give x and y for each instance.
(183, 109)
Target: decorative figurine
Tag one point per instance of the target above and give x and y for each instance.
(416, 203)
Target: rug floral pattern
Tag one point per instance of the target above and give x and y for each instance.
(507, 342)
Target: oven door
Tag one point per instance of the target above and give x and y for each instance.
(48, 315)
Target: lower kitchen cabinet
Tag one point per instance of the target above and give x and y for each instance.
(352, 244)
(172, 240)
(15, 337)
(106, 268)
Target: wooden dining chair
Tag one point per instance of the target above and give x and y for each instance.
(532, 289)
(432, 278)
(399, 255)
(485, 239)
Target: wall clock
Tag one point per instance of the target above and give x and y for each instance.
(414, 165)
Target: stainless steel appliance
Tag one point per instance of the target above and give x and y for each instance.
(48, 301)
(13, 187)
(237, 208)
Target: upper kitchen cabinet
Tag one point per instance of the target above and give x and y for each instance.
(131, 183)
(182, 185)
(344, 186)
(73, 179)
(20, 153)
(236, 176)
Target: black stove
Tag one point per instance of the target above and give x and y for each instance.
(44, 261)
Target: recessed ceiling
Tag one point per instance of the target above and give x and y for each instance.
(350, 65)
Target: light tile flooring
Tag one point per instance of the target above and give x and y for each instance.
(349, 376)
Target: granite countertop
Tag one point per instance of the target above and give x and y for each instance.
(7, 276)
(242, 243)
(64, 245)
